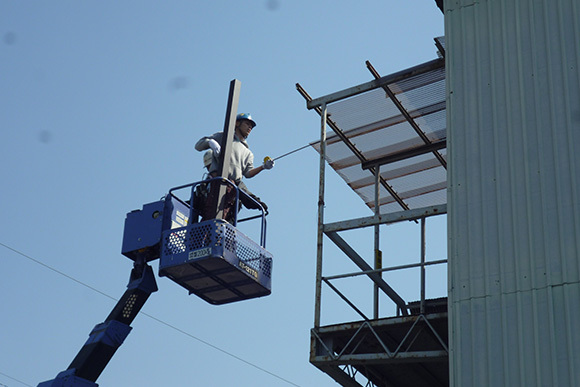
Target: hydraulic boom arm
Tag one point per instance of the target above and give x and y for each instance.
(107, 336)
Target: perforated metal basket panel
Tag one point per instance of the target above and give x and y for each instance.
(216, 261)
(224, 235)
(174, 242)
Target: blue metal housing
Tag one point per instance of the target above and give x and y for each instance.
(111, 333)
(68, 379)
(143, 228)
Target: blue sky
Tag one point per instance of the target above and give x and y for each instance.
(101, 103)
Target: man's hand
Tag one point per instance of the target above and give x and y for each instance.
(268, 163)
(215, 147)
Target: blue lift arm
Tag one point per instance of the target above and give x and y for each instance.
(107, 336)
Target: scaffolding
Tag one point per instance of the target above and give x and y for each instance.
(389, 146)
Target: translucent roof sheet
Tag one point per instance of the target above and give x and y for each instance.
(406, 139)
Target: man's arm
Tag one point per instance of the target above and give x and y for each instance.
(253, 172)
(203, 143)
(268, 164)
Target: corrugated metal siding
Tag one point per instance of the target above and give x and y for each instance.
(513, 73)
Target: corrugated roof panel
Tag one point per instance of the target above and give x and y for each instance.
(376, 127)
(428, 199)
(424, 95)
(400, 169)
(362, 109)
(425, 178)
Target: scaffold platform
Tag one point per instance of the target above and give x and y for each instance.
(406, 351)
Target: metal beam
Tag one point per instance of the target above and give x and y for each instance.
(381, 358)
(352, 91)
(329, 278)
(345, 299)
(319, 231)
(438, 43)
(386, 323)
(363, 265)
(392, 217)
(226, 145)
(405, 154)
(338, 375)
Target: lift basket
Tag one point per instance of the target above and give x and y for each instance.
(215, 261)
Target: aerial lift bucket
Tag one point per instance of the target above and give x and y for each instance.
(215, 261)
(212, 259)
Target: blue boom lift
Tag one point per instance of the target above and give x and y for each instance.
(211, 259)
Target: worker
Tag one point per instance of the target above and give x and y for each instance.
(241, 165)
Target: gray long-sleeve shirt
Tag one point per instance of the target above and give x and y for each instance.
(242, 158)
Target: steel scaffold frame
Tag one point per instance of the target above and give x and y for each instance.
(417, 335)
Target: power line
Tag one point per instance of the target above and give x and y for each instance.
(145, 314)
(16, 380)
(58, 271)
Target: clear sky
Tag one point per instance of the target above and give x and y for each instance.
(101, 103)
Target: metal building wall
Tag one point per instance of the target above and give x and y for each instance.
(513, 100)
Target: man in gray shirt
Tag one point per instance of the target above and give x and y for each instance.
(241, 165)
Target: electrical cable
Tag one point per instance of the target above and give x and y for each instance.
(16, 380)
(145, 314)
(58, 272)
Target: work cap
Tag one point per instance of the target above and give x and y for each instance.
(247, 117)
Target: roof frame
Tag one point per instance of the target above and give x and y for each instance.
(350, 145)
(373, 166)
(392, 78)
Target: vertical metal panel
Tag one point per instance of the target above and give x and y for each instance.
(513, 101)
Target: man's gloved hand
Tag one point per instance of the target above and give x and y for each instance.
(215, 147)
(268, 163)
(250, 204)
